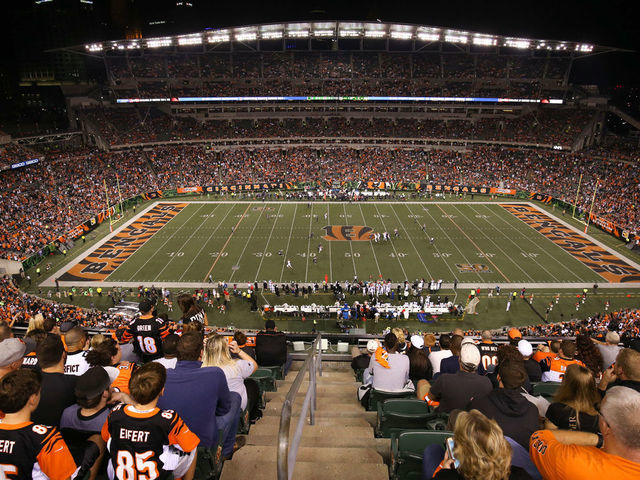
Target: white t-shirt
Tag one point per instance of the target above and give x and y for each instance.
(436, 357)
(235, 378)
(76, 363)
(167, 362)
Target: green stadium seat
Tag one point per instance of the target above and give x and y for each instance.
(210, 461)
(245, 424)
(401, 413)
(407, 448)
(376, 396)
(266, 383)
(545, 389)
(278, 371)
(359, 374)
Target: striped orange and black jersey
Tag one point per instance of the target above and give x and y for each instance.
(121, 383)
(28, 450)
(147, 334)
(136, 440)
(553, 368)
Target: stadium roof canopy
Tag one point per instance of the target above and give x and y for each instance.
(420, 35)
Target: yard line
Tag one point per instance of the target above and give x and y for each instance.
(411, 240)
(355, 273)
(499, 248)
(268, 240)
(474, 244)
(394, 247)
(226, 243)
(306, 271)
(204, 244)
(233, 272)
(546, 252)
(165, 242)
(284, 260)
(518, 246)
(179, 250)
(330, 262)
(436, 247)
(373, 250)
(450, 241)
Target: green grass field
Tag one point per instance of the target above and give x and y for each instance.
(242, 242)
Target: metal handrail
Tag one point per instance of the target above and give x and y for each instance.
(288, 450)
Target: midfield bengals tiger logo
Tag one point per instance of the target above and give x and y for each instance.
(472, 268)
(350, 233)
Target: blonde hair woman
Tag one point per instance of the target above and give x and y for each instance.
(481, 450)
(217, 353)
(574, 404)
(36, 323)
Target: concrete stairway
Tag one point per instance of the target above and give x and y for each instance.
(340, 445)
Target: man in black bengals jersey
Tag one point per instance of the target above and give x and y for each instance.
(144, 440)
(488, 351)
(28, 450)
(147, 331)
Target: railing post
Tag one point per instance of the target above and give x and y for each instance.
(312, 386)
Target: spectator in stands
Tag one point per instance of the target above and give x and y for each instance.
(191, 311)
(570, 455)
(126, 347)
(390, 369)
(241, 340)
(545, 351)
(56, 388)
(575, 403)
(11, 355)
(170, 349)
(481, 449)
(156, 429)
(517, 417)
(217, 353)
(625, 372)
(534, 372)
(271, 347)
(32, 340)
(488, 351)
(148, 330)
(445, 351)
(107, 354)
(201, 396)
(401, 338)
(514, 336)
(452, 364)
(360, 360)
(5, 331)
(430, 342)
(419, 365)
(31, 448)
(82, 422)
(77, 343)
(608, 349)
(456, 390)
(589, 354)
(553, 368)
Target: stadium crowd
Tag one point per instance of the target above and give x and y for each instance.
(47, 200)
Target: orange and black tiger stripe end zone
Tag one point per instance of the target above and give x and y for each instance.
(100, 263)
(607, 265)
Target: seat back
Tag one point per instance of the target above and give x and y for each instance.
(265, 378)
(359, 373)
(407, 448)
(545, 389)
(376, 396)
(401, 413)
(210, 461)
(276, 370)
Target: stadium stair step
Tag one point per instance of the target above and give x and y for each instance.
(340, 444)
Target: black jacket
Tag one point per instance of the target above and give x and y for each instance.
(271, 348)
(517, 417)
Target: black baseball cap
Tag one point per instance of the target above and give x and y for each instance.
(92, 383)
(145, 305)
(66, 326)
(269, 324)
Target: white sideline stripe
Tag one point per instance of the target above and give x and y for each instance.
(204, 244)
(246, 244)
(179, 250)
(435, 245)
(373, 250)
(392, 243)
(330, 261)
(411, 240)
(286, 253)
(495, 244)
(536, 246)
(306, 271)
(268, 240)
(451, 241)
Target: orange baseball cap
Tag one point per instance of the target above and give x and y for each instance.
(514, 333)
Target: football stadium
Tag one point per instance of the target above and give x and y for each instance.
(382, 250)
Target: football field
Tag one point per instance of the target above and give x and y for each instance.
(184, 243)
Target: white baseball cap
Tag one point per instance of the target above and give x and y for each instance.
(372, 346)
